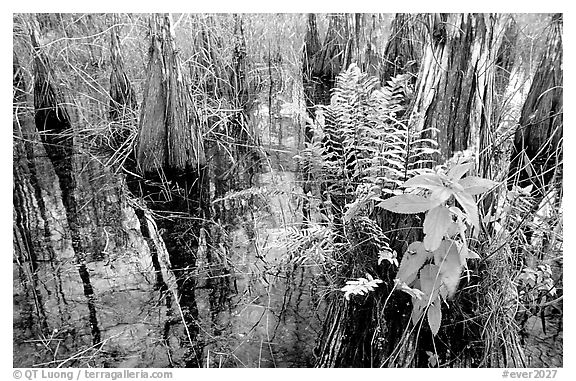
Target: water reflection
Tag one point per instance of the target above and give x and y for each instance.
(254, 307)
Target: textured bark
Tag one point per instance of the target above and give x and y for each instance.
(242, 98)
(453, 95)
(537, 161)
(122, 95)
(367, 42)
(236, 159)
(451, 80)
(123, 109)
(322, 63)
(405, 47)
(537, 155)
(169, 135)
(456, 96)
(495, 95)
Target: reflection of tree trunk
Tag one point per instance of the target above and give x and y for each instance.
(27, 219)
(53, 122)
(40, 250)
(170, 154)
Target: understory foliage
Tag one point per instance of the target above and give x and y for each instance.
(479, 261)
(364, 158)
(361, 139)
(445, 245)
(521, 273)
(362, 151)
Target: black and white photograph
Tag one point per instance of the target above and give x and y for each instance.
(286, 190)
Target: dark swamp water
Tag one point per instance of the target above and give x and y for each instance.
(254, 308)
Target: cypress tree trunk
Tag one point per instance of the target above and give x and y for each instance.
(321, 65)
(538, 151)
(323, 62)
(537, 161)
(449, 93)
(362, 334)
(454, 98)
(405, 47)
(170, 151)
(123, 108)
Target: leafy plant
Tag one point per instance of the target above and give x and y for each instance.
(314, 243)
(363, 148)
(432, 359)
(535, 282)
(360, 286)
(430, 270)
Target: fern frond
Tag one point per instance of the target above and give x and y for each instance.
(364, 149)
(313, 243)
(262, 192)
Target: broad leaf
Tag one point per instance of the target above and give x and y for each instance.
(447, 258)
(432, 359)
(408, 204)
(466, 253)
(435, 316)
(471, 254)
(441, 194)
(448, 249)
(426, 181)
(452, 229)
(457, 212)
(418, 303)
(412, 261)
(413, 292)
(436, 224)
(457, 171)
(470, 208)
(418, 307)
(430, 282)
(474, 185)
(460, 225)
